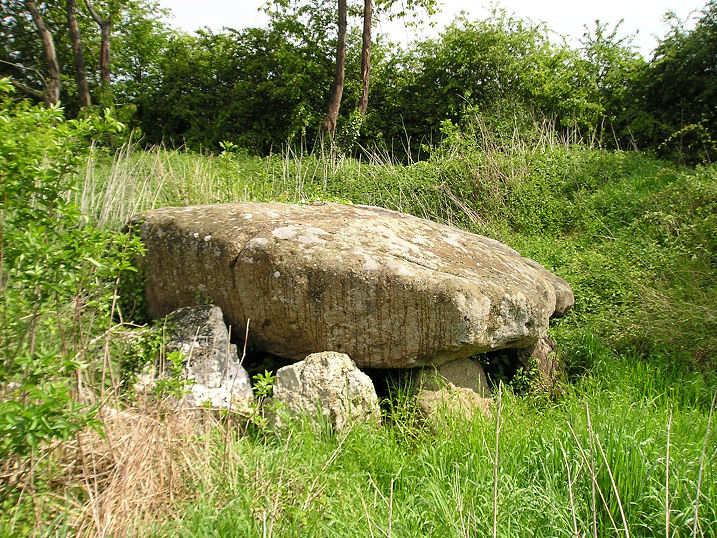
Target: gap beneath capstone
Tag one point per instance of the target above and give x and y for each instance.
(499, 366)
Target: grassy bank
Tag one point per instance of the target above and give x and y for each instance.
(634, 236)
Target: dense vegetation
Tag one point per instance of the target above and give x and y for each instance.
(262, 87)
(491, 128)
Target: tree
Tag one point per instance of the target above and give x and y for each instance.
(368, 8)
(612, 67)
(141, 38)
(259, 87)
(337, 90)
(53, 83)
(78, 56)
(365, 55)
(329, 124)
(679, 89)
(105, 26)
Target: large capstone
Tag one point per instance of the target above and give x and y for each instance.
(389, 289)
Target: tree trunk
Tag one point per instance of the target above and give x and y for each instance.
(105, 34)
(366, 54)
(329, 123)
(77, 55)
(106, 30)
(53, 83)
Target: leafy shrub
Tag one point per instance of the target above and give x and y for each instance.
(58, 275)
(144, 348)
(264, 385)
(172, 382)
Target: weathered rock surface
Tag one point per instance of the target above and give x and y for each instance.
(451, 400)
(463, 373)
(210, 362)
(328, 383)
(391, 290)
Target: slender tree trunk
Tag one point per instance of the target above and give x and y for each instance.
(366, 54)
(329, 123)
(105, 34)
(53, 83)
(105, 31)
(77, 55)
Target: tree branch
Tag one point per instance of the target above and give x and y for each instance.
(25, 68)
(53, 85)
(27, 89)
(94, 14)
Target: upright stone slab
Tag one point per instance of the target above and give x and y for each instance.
(391, 290)
(210, 361)
(450, 401)
(542, 354)
(329, 384)
(462, 373)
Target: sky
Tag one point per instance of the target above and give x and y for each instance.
(566, 17)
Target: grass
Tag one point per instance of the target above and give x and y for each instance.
(635, 237)
(378, 482)
(169, 476)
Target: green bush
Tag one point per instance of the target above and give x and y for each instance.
(58, 274)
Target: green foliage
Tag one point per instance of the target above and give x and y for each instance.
(57, 271)
(635, 238)
(633, 235)
(614, 71)
(693, 143)
(264, 88)
(138, 38)
(145, 348)
(21, 46)
(145, 354)
(39, 407)
(680, 90)
(264, 385)
(526, 378)
(132, 299)
(171, 381)
(228, 148)
(263, 406)
(415, 482)
(473, 63)
(399, 408)
(214, 87)
(348, 133)
(217, 87)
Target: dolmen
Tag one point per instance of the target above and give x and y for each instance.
(387, 289)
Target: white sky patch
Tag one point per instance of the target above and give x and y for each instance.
(565, 17)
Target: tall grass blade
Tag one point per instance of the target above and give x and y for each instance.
(495, 459)
(696, 523)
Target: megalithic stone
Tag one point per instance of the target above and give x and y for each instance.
(389, 289)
